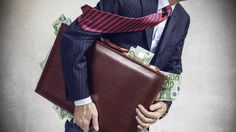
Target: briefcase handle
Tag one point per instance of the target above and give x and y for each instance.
(114, 46)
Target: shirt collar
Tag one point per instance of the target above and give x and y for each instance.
(164, 3)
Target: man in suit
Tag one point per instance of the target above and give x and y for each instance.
(166, 40)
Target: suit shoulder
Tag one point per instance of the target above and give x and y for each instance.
(182, 11)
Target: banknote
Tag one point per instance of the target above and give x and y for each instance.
(140, 55)
(171, 87)
(147, 55)
(43, 63)
(67, 21)
(57, 23)
(132, 52)
(63, 114)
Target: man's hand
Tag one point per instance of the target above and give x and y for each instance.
(174, 2)
(145, 117)
(83, 115)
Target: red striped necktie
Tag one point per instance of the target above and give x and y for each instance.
(94, 20)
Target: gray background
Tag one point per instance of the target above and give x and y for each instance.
(206, 103)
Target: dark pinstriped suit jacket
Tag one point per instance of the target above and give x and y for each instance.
(76, 43)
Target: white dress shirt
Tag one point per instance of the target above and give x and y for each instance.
(158, 29)
(157, 32)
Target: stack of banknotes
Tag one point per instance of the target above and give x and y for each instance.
(170, 90)
(171, 87)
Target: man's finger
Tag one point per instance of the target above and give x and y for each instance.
(156, 106)
(95, 122)
(77, 121)
(74, 121)
(142, 124)
(143, 118)
(85, 126)
(146, 113)
(139, 127)
(85, 129)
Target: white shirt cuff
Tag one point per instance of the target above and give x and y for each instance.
(84, 101)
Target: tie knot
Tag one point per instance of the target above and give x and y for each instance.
(167, 10)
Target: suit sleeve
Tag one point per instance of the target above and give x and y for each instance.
(75, 47)
(175, 63)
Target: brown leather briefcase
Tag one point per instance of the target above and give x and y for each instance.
(118, 84)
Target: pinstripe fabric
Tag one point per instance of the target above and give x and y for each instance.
(76, 43)
(104, 22)
(149, 7)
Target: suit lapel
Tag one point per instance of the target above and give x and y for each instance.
(149, 7)
(171, 23)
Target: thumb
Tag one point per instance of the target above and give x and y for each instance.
(95, 122)
(156, 106)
